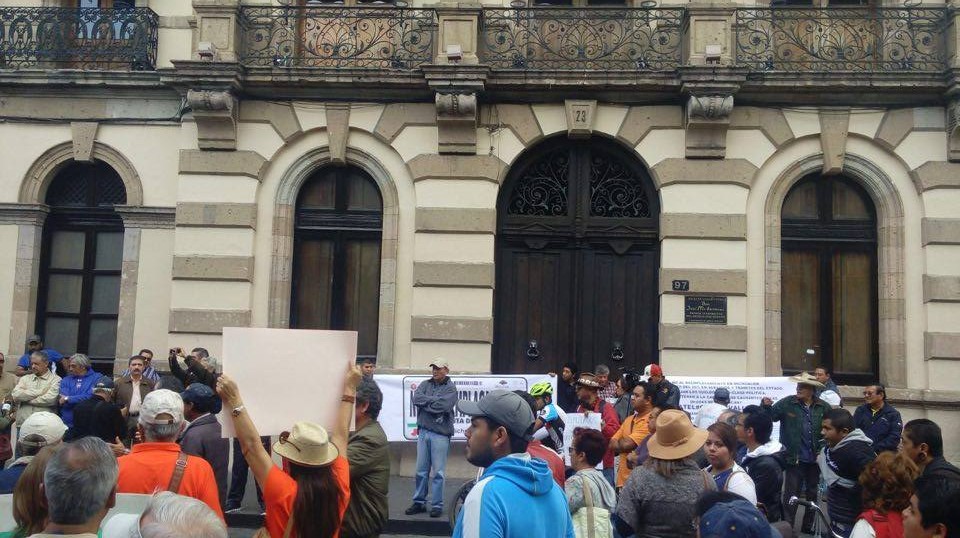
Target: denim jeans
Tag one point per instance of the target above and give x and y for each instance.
(432, 449)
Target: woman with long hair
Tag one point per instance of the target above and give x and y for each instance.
(721, 447)
(887, 484)
(29, 506)
(660, 497)
(309, 496)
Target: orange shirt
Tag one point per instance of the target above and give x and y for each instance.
(636, 428)
(281, 491)
(149, 467)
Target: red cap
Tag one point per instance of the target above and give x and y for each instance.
(653, 369)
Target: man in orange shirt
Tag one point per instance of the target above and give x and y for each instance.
(151, 465)
(633, 429)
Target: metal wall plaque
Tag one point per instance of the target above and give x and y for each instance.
(705, 309)
(681, 285)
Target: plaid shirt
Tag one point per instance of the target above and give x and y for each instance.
(609, 392)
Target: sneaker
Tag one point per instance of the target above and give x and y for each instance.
(233, 510)
(415, 509)
(436, 512)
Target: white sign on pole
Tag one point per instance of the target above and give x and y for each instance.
(287, 375)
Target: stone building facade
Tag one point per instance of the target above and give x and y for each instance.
(509, 187)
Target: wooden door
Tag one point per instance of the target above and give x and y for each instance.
(576, 260)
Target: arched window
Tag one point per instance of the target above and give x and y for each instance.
(336, 264)
(79, 294)
(829, 286)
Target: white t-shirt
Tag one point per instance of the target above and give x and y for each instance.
(708, 414)
(739, 482)
(863, 529)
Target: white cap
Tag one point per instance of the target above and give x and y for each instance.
(440, 362)
(831, 398)
(44, 424)
(161, 402)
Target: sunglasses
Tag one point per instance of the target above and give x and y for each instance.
(285, 440)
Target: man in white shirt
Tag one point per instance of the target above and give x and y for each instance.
(709, 413)
(38, 390)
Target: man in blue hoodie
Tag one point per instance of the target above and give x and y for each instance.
(516, 497)
(76, 387)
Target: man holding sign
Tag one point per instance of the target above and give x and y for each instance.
(588, 392)
(434, 399)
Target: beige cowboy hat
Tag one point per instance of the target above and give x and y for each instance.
(803, 378)
(588, 379)
(676, 437)
(307, 444)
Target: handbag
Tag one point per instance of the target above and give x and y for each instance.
(590, 521)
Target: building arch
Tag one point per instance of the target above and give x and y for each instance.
(33, 188)
(281, 270)
(890, 259)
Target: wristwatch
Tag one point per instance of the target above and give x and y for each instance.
(237, 410)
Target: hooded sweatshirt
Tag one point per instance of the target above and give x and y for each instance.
(516, 497)
(765, 465)
(841, 466)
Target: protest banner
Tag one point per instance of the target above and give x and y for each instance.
(305, 385)
(574, 421)
(697, 391)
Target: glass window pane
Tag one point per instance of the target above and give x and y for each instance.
(848, 203)
(363, 193)
(320, 191)
(109, 250)
(63, 293)
(66, 250)
(853, 329)
(61, 334)
(800, 311)
(103, 338)
(801, 202)
(313, 288)
(106, 295)
(362, 308)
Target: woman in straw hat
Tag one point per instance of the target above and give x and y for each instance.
(660, 497)
(308, 497)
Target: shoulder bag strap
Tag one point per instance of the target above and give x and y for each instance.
(288, 530)
(178, 469)
(588, 502)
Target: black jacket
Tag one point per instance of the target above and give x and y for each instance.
(666, 394)
(846, 461)
(202, 438)
(567, 396)
(97, 418)
(942, 468)
(765, 466)
(883, 428)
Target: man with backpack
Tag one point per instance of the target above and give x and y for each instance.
(763, 461)
(847, 453)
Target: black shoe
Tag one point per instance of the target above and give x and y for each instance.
(415, 509)
(436, 512)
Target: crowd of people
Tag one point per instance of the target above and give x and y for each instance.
(650, 469)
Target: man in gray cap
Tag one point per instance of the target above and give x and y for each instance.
(515, 491)
(434, 399)
(710, 413)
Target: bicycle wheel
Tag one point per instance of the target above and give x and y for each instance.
(456, 502)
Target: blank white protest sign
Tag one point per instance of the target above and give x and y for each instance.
(287, 375)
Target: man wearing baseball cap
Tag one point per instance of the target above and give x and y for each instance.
(158, 463)
(434, 399)
(203, 437)
(709, 413)
(665, 393)
(34, 344)
(39, 430)
(99, 416)
(516, 495)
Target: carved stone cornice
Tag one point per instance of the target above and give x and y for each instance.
(709, 101)
(210, 88)
(147, 217)
(189, 75)
(456, 88)
(28, 214)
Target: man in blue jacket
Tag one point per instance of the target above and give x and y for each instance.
(76, 387)
(35, 343)
(516, 496)
(434, 399)
(879, 420)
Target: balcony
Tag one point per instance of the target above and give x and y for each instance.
(78, 38)
(364, 38)
(582, 39)
(861, 40)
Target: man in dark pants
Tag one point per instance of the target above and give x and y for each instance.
(801, 419)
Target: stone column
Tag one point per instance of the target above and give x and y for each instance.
(29, 219)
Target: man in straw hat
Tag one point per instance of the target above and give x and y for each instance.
(516, 496)
(801, 420)
(588, 393)
(660, 497)
(158, 462)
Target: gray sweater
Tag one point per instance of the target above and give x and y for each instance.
(656, 507)
(601, 491)
(435, 402)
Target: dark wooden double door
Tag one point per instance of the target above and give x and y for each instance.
(577, 260)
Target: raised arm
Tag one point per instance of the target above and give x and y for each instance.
(341, 429)
(257, 457)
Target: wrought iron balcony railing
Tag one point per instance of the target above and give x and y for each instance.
(841, 39)
(78, 38)
(337, 37)
(599, 39)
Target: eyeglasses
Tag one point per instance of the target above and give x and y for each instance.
(868, 393)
